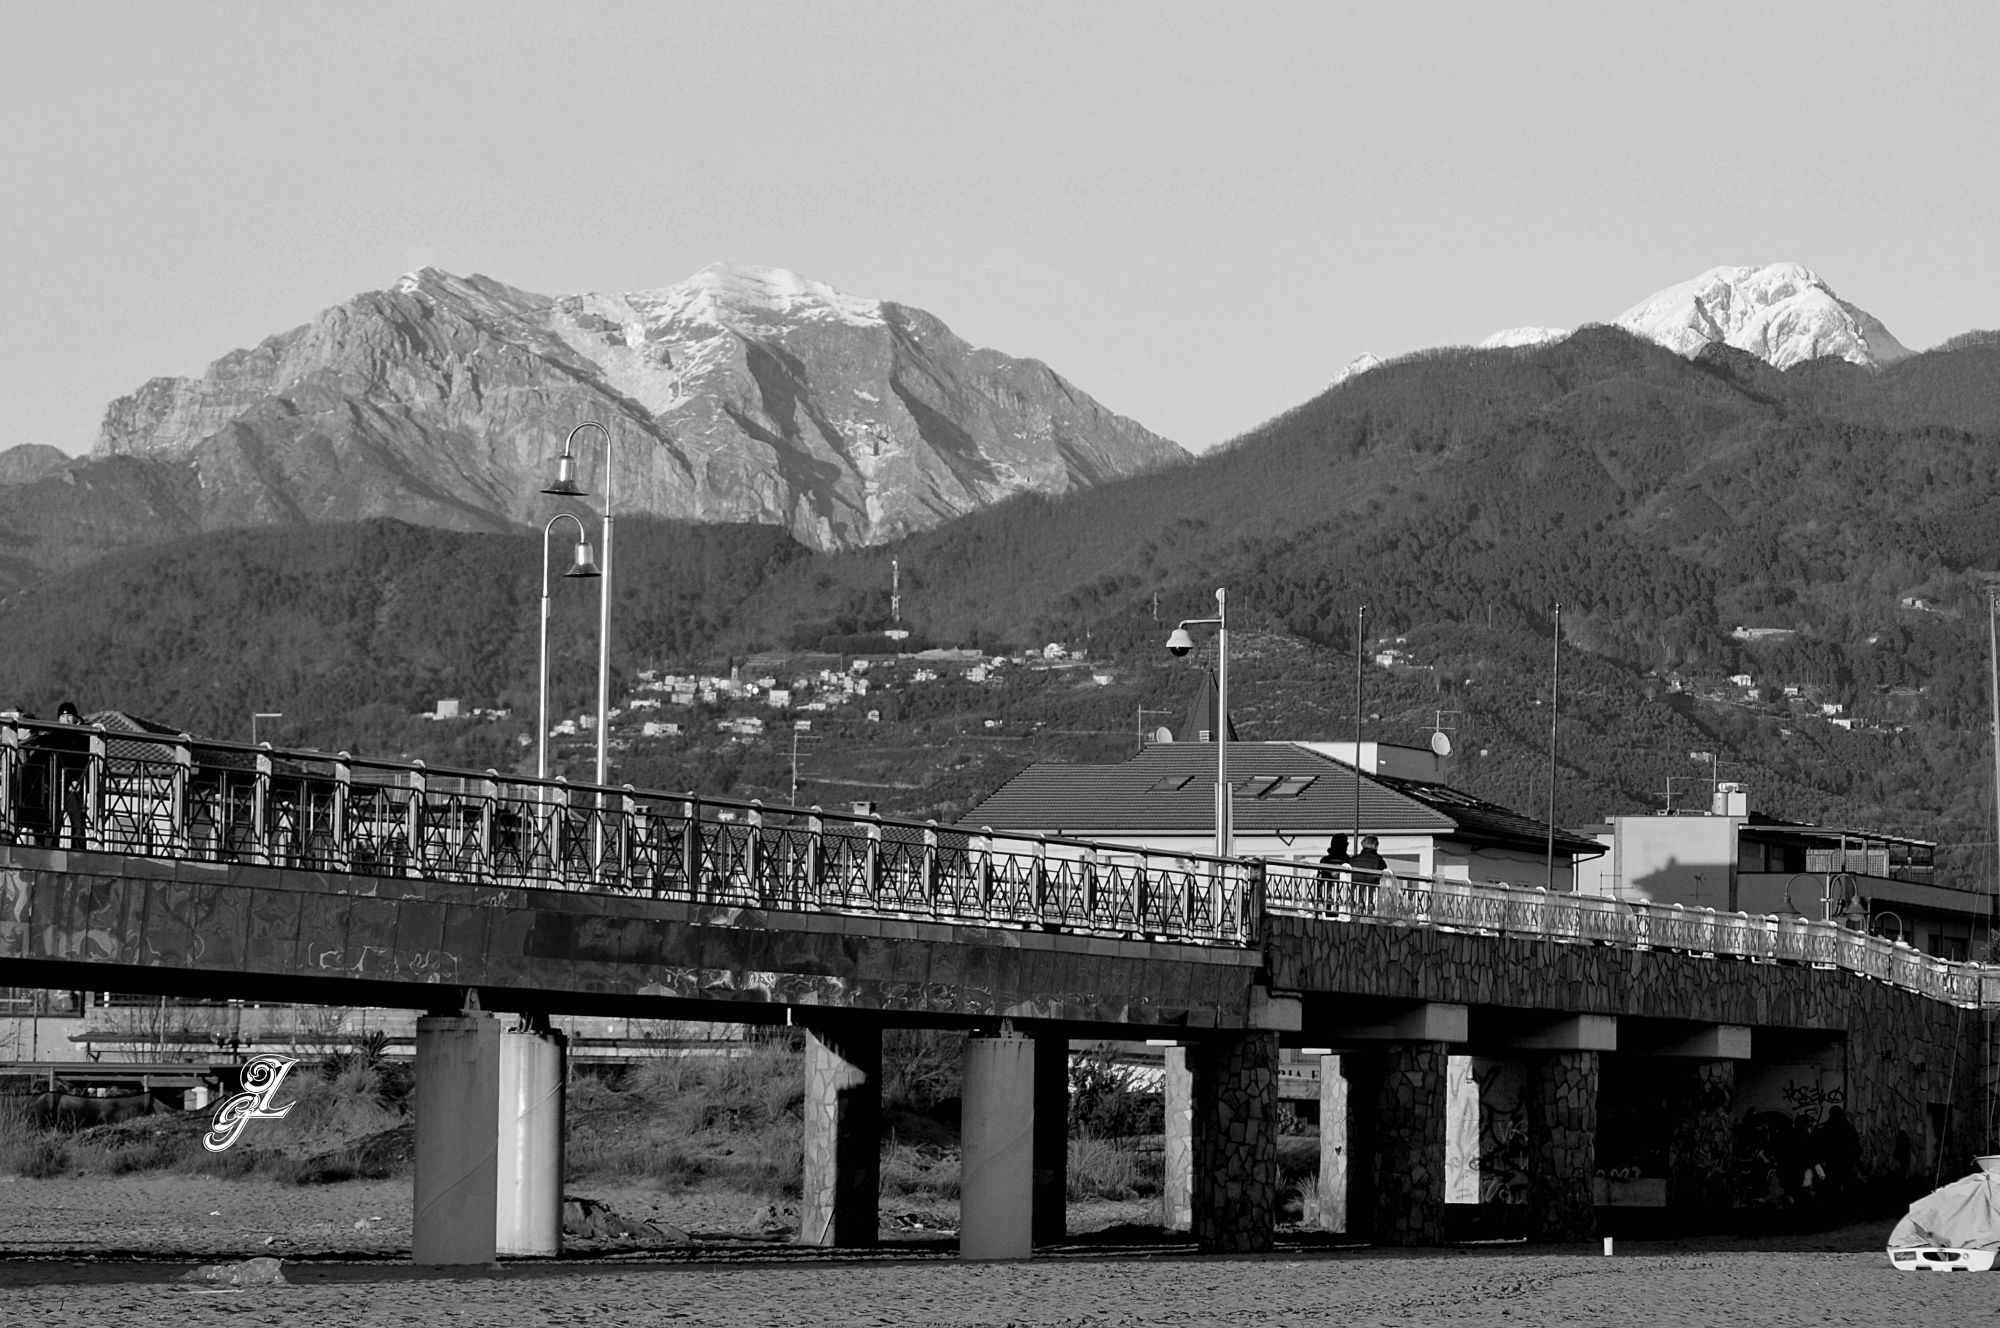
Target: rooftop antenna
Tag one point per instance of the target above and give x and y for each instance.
(1143, 712)
(895, 592)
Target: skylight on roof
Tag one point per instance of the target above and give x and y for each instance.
(1289, 787)
(1170, 784)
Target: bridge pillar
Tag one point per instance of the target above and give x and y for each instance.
(1409, 1128)
(997, 1149)
(457, 1164)
(838, 1203)
(1701, 1144)
(1562, 1145)
(1347, 1084)
(1177, 1141)
(1235, 1126)
(533, 1067)
(1051, 1202)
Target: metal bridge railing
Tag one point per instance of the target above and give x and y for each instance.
(175, 797)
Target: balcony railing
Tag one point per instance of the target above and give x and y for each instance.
(173, 797)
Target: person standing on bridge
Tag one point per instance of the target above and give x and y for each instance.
(69, 756)
(1331, 876)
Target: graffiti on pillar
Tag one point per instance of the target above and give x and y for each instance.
(1792, 1134)
(1812, 1098)
(1486, 1131)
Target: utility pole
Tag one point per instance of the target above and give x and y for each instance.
(1360, 611)
(1555, 704)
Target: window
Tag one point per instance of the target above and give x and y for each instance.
(1171, 784)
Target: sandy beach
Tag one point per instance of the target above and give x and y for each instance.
(105, 1250)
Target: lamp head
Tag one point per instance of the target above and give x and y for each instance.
(564, 485)
(585, 564)
(1180, 642)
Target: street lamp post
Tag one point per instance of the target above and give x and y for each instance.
(1180, 643)
(565, 486)
(582, 564)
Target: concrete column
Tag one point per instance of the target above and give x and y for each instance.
(1701, 1143)
(1235, 1142)
(1177, 1171)
(458, 1120)
(997, 1149)
(1051, 1224)
(1562, 1145)
(533, 1068)
(841, 1188)
(1409, 1125)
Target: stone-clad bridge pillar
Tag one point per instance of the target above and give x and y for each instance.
(1562, 1145)
(1409, 1132)
(1221, 1177)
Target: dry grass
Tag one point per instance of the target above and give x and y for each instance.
(730, 1120)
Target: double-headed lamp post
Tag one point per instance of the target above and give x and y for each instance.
(1179, 644)
(565, 486)
(582, 564)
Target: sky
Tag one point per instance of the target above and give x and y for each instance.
(1197, 213)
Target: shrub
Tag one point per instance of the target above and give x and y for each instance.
(1107, 1099)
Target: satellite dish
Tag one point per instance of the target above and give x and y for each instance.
(1163, 735)
(1441, 743)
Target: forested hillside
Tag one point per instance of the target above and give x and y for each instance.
(1845, 518)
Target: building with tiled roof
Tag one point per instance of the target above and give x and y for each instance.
(1289, 799)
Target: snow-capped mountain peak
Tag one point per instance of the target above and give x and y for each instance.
(727, 294)
(1360, 364)
(1523, 336)
(1783, 313)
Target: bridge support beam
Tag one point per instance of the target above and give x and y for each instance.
(839, 1198)
(457, 1172)
(1051, 1202)
(1409, 1129)
(1562, 1145)
(997, 1149)
(533, 1067)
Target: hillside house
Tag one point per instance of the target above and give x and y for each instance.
(1733, 860)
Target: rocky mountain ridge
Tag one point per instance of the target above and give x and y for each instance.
(741, 395)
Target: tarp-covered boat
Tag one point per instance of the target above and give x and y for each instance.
(1953, 1229)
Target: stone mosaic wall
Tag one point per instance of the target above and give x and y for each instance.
(1562, 1145)
(1409, 1121)
(1235, 1083)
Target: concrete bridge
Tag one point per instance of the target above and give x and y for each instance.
(1587, 1031)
